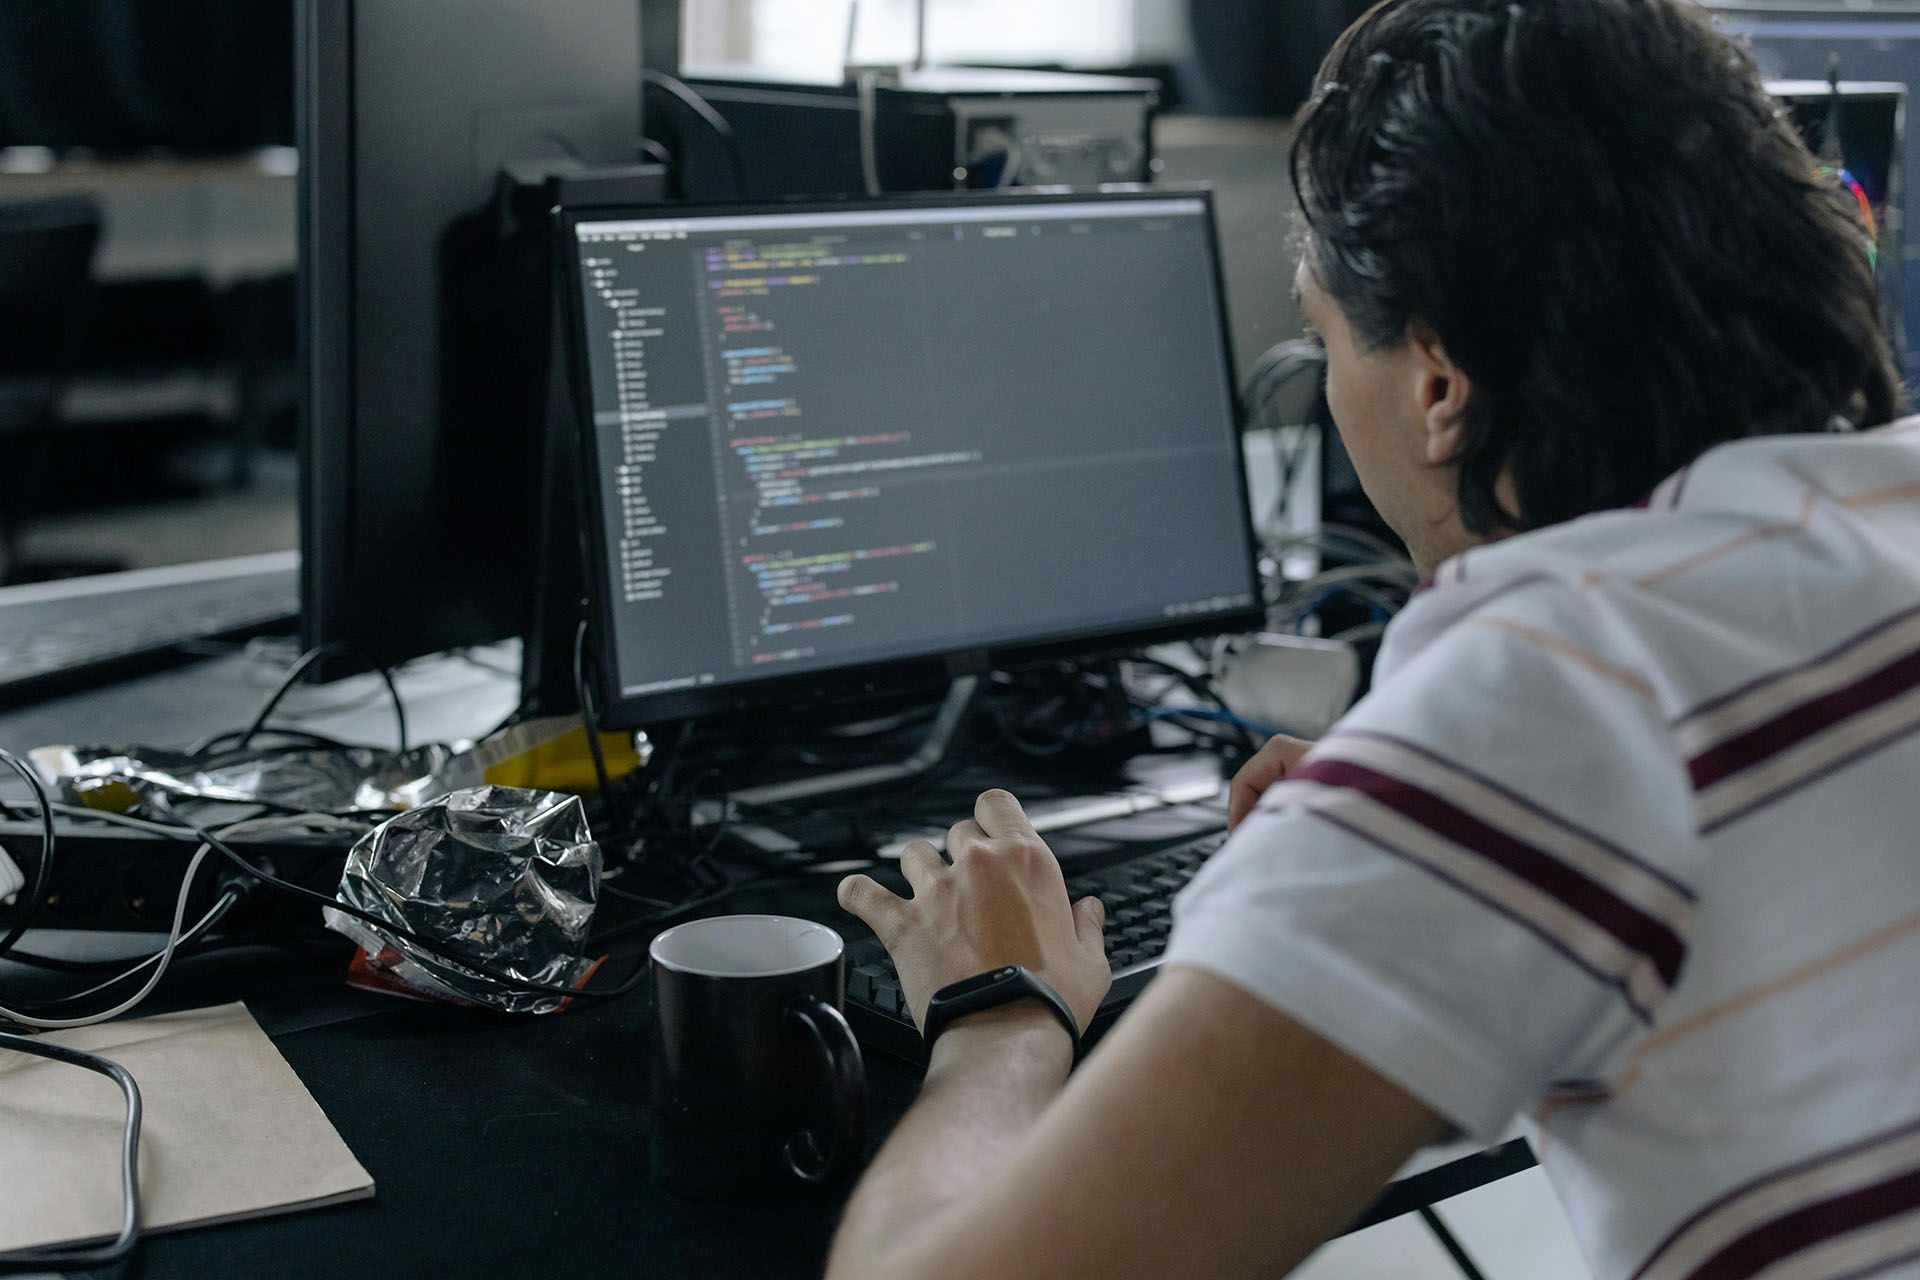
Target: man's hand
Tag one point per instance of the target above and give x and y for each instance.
(1268, 766)
(1209, 1135)
(1003, 901)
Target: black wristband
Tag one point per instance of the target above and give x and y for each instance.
(990, 990)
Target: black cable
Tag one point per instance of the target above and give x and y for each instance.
(303, 740)
(1199, 685)
(721, 827)
(304, 664)
(627, 895)
(1202, 686)
(690, 98)
(63, 1257)
(474, 660)
(433, 946)
(1273, 372)
(1231, 739)
(301, 666)
(699, 865)
(655, 152)
(590, 714)
(670, 768)
(43, 870)
(1451, 1245)
(729, 888)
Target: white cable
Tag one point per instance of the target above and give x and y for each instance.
(166, 957)
(1010, 167)
(1290, 612)
(869, 124)
(302, 820)
(1393, 574)
(846, 47)
(1360, 537)
(1279, 546)
(1364, 632)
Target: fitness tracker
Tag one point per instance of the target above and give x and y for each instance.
(990, 990)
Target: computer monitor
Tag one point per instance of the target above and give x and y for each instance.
(831, 450)
(422, 331)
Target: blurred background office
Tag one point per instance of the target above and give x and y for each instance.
(150, 399)
(148, 178)
(148, 192)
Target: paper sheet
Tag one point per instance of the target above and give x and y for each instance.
(229, 1132)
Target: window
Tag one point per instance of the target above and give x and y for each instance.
(808, 38)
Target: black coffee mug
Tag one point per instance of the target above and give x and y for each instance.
(758, 1085)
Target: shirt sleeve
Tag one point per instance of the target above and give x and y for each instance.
(1478, 883)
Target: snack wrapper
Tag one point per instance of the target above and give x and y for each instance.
(506, 876)
(324, 779)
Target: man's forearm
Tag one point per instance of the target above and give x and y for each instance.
(990, 1078)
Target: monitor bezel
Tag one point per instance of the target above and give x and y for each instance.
(929, 670)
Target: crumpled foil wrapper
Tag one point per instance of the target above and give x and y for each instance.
(507, 876)
(324, 780)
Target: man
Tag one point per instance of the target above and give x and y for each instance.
(1626, 840)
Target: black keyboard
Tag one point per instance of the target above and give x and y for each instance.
(60, 635)
(1138, 894)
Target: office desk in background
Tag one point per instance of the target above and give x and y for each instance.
(511, 1145)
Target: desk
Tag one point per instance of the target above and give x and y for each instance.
(513, 1146)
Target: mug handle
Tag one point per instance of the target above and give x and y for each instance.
(847, 1078)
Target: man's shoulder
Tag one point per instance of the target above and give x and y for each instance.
(1688, 533)
(1760, 555)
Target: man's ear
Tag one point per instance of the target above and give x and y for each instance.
(1442, 391)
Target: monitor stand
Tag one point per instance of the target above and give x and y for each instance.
(938, 745)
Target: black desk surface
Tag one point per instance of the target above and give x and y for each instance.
(513, 1146)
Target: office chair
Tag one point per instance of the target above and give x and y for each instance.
(46, 271)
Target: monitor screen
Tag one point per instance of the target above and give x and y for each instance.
(829, 440)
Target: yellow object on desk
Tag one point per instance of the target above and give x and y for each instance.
(549, 754)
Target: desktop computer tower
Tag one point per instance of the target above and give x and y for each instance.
(926, 129)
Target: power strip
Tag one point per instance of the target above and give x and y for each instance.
(119, 880)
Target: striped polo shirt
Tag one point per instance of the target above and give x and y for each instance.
(1626, 841)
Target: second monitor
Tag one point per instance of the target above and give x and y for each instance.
(836, 448)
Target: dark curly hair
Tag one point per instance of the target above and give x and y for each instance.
(1608, 224)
